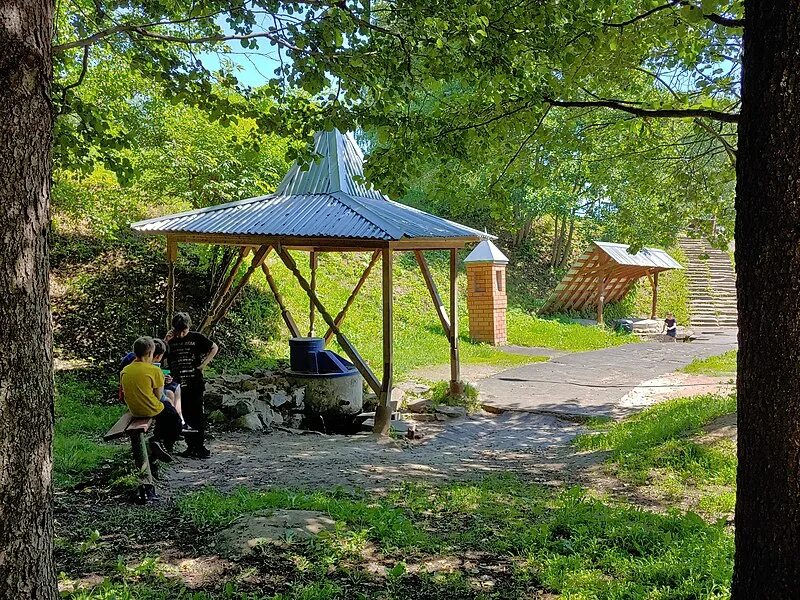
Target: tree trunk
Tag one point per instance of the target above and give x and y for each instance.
(567, 249)
(768, 265)
(26, 366)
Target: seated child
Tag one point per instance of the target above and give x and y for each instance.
(143, 385)
(670, 326)
(172, 389)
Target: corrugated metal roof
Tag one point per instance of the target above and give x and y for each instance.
(646, 257)
(328, 199)
(578, 289)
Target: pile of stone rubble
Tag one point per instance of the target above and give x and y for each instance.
(255, 402)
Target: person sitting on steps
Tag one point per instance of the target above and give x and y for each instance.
(143, 389)
(670, 326)
(188, 353)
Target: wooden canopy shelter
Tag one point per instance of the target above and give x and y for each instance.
(605, 273)
(323, 207)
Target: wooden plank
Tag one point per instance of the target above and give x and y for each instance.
(431, 284)
(348, 348)
(285, 314)
(654, 306)
(118, 430)
(312, 263)
(219, 295)
(342, 313)
(321, 244)
(224, 307)
(456, 386)
(383, 412)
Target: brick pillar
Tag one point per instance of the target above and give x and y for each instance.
(486, 294)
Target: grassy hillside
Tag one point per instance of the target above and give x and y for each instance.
(106, 293)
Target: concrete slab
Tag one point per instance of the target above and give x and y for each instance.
(592, 383)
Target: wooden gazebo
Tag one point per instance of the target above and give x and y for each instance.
(605, 273)
(323, 207)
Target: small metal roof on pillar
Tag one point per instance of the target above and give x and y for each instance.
(322, 204)
(486, 252)
(610, 264)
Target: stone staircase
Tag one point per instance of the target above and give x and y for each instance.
(712, 285)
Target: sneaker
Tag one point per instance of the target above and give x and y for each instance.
(150, 493)
(201, 452)
(158, 452)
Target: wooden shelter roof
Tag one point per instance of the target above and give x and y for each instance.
(608, 267)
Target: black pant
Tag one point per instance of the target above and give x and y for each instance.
(168, 426)
(193, 412)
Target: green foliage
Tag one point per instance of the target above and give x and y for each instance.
(79, 452)
(440, 394)
(720, 365)
(660, 438)
(527, 330)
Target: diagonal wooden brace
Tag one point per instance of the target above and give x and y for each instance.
(287, 316)
(258, 260)
(342, 313)
(434, 292)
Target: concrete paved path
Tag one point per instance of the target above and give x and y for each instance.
(593, 383)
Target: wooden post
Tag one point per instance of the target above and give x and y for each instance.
(312, 260)
(383, 412)
(287, 316)
(654, 310)
(342, 313)
(220, 294)
(172, 255)
(140, 458)
(456, 385)
(601, 282)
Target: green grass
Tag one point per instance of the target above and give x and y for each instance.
(527, 330)
(419, 339)
(469, 399)
(660, 439)
(522, 537)
(720, 365)
(81, 420)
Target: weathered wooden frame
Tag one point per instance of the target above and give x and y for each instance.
(231, 289)
(596, 280)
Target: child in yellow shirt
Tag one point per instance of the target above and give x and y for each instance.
(143, 387)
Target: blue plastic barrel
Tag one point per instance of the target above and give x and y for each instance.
(303, 353)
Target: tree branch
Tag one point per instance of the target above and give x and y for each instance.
(713, 17)
(675, 113)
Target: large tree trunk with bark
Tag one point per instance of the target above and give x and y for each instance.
(768, 265)
(26, 366)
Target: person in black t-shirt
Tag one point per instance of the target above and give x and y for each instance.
(188, 353)
(670, 326)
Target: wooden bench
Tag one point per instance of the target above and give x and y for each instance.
(135, 428)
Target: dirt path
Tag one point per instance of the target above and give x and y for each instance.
(533, 444)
